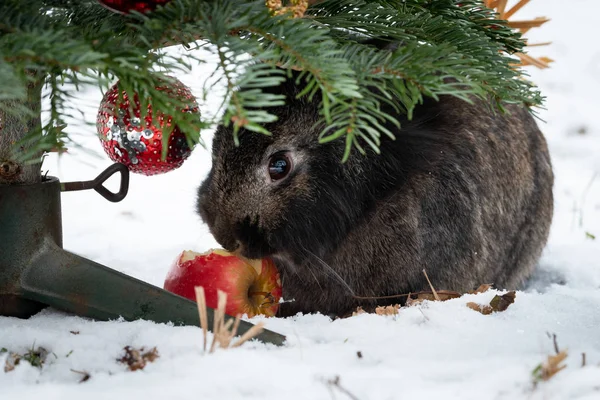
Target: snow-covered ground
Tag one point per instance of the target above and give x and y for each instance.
(434, 351)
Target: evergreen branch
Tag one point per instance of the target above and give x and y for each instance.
(444, 47)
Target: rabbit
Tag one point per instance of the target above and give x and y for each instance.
(463, 192)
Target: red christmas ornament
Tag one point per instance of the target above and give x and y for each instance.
(124, 6)
(136, 143)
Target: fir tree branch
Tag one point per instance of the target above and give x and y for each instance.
(455, 47)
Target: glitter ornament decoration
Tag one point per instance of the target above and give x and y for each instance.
(124, 6)
(138, 143)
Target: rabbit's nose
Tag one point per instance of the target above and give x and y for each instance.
(222, 232)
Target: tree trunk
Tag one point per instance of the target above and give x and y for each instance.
(13, 128)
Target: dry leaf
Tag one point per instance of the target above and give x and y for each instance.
(12, 361)
(443, 295)
(550, 367)
(137, 359)
(482, 288)
(501, 303)
(359, 310)
(412, 302)
(387, 310)
(498, 304)
(482, 308)
(414, 299)
(34, 357)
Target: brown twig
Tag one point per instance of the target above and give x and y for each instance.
(335, 382)
(85, 376)
(393, 296)
(555, 342)
(424, 316)
(538, 44)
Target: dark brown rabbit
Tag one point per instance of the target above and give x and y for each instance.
(463, 192)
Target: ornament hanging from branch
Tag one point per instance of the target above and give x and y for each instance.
(523, 26)
(137, 141)
(125, 6)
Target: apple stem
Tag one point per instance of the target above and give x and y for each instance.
(268, 298)
(265, 294)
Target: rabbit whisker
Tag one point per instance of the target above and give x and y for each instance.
(328, 270)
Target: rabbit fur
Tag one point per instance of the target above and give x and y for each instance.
(464, 192)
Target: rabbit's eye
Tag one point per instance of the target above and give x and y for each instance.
(280, 166)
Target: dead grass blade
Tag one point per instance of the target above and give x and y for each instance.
(435, 295)
(224, 331)
(549, 368)
(201, 301)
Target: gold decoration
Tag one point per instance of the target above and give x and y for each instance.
(297, 7)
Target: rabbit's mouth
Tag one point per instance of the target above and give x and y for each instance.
(252, 241)
(255, 249)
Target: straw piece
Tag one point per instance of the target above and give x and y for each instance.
(236, 325)
(223, 331)
(528, 60)
(491, 3)
(539, 44)
(533, 23)
(225, 335)
(515, 8)
(218, 318)
(501, 7)
(250, 333)
(435, 295)
(201, 301)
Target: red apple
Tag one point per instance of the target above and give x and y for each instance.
(253, 286)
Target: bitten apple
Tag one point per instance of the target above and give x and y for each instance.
(253, 287)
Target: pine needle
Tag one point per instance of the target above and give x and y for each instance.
(82, 44)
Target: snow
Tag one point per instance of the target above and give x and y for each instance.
(436, 350)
